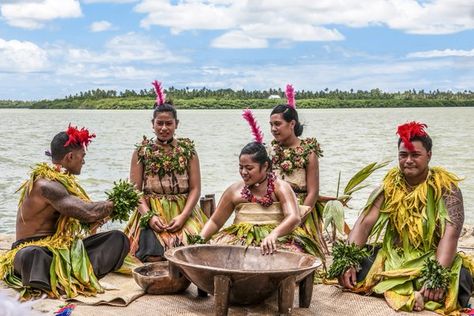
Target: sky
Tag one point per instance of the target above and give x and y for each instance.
(54, 48)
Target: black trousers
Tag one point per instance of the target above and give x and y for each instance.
(106, 253)
(148, 245)
(466, 284)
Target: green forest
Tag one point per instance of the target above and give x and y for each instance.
(237, 99)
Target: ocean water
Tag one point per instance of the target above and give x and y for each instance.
(350, 139)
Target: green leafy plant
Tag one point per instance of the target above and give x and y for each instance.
(344, 257)
(195, 239)
(125, 198)
(333, 212)
(434, 275)
(144, 219)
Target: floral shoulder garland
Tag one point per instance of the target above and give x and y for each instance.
(289, 159)
(159, 162)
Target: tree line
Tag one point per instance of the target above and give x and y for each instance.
(205, 98)
(187, 93)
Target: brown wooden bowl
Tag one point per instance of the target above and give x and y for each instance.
(154, 278)
(254, 277)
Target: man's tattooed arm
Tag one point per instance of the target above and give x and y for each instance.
(72, 206)
(455, 207)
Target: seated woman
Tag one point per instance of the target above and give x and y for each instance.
(166, 169)
(266, 211)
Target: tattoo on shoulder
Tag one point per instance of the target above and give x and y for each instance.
(53, 191)
(72, 206)
(455, 207)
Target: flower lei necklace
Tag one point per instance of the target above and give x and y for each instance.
(265, 201)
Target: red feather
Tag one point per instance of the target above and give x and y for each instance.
(250, 118)
(409, 130)
(78, 137)
(160, 95)
(290, 96)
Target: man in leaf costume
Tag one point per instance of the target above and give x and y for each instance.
(51, 253)
(419, 211)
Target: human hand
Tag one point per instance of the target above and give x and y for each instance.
(156, 224)
(435, 295)
(98, 224)
(268, 245)
(109, 208)
(176, 223)
(349, 278)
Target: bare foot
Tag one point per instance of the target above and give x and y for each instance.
(419, 302)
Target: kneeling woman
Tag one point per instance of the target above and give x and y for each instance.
(266, 211)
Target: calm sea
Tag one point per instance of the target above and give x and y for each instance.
(350, 138)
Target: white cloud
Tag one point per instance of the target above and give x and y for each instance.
(109, 1)
(34, 14)
(100, 26)
(435, 17)
(386, 75)
(105, 73)
(127, 48)
(442, 53)
(187, 15)
(302, 20)
(136, 47)
(293, 31)
(238, 39)
(22, 57)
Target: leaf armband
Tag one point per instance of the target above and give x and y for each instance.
(196, 240)
(344, 257)
(125, 198)
(434, 275)
(145, 218)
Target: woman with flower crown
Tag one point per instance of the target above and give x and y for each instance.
(295, 160)
(266, 210)
(166, 170)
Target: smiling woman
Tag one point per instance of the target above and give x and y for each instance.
(266, 211)
(167, 171)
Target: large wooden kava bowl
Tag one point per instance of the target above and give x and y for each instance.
(243, 275)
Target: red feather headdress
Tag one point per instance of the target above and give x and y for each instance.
(409, 130)
(78, 136)
(290, 96)
(256, 131)
(160, 94)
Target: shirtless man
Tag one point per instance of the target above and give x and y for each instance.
(47, 200)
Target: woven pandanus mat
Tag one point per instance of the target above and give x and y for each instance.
(327, 300)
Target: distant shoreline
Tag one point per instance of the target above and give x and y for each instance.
(129, 103)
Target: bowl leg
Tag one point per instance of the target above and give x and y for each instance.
(306, 290)
(202, 293)
(221, 294)
(174, 271)
(286, 294)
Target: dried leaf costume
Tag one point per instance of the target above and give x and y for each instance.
(412, 221)
(60, 261)
(165, 189)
